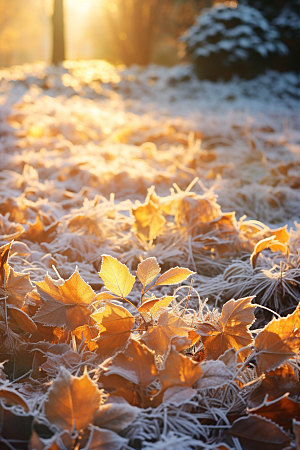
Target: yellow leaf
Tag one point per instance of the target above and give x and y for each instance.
(147, 270)
(115, 324)
(116, 276)
(270, 243)
(149, 221)
(173, 276)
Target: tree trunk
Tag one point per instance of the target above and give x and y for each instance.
(58, 49)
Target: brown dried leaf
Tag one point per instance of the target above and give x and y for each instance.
(147, 270)
(178, 371)
(115, 415)
(136, 364)
(173, 276)
(11, 397)
(105, 440)
(22, 319)
(169, 326)
(281, 410)
(72, 401)
(259, 433)
(276, 383)
(278, 341)
(116, 276)
(38, 232)
(270, 243)
(232, 330)
(88, 333)
(115, 324)
(4, 267)
(65, 303)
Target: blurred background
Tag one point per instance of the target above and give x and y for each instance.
(243, 38)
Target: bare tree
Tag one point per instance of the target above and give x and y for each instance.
(58, 49)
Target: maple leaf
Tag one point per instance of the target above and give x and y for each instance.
(72, 401)
(278, 341)
(116, 276)
(270, 243)
(115, 324)
(259, 433)
(232, 329)
(65, 303)
(147, 270)
(136, 364)
(169, 326)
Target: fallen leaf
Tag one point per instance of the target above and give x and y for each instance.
(259, 433)
(65, 304)
(278, 341)
(270, 243)
(275, 384)
(105, 440)
(12, 397)
(136, 364)
(169, 326)
(115, 324)
(115, 415)
(178, 395)
(72, 401)
(22, 319)
(147, 270)
(214, 374)
(178, 371)
(232, 329)
(149, 221)
(88, 333)
(116, 276)
(282, 410)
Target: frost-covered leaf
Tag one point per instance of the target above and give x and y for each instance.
(64, 303)
(270, 243)
(278, 341)
(116, 276)
(232, 329)
(105, 440)
(115, 415)
(72, 401)
(22, 319)
(178, 395)
(136, 364)
(173, 276)
(259, 433)
(147, 270)
(169, 326)
(11, 397)
(115, 323)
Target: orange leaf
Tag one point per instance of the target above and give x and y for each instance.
(72, 401)
(136, 364)
(169, 326)
(278, 341)
(270, 243)
(11, 397)
(232, 329)
(115, 324)
(65, 303)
